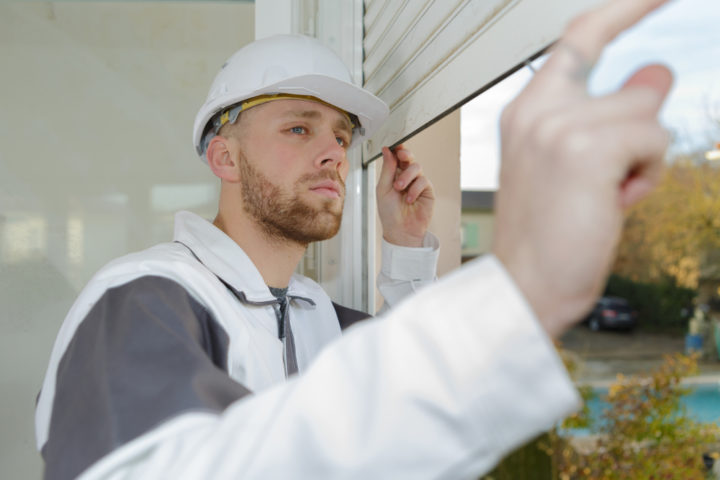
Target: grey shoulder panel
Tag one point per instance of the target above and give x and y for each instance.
(146, 352)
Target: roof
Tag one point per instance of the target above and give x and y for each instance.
(478, 200)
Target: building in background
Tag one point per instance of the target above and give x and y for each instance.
(476, 222)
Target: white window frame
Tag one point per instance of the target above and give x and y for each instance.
(428, 58)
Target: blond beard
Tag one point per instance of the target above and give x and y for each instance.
(283, 215)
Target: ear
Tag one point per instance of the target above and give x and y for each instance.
(222, 157)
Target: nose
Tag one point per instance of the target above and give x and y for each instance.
(332, 154)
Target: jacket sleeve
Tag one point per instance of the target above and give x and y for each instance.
(145, 352)
(443, 387)
(404, 270)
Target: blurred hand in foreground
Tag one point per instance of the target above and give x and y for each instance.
(571, 165)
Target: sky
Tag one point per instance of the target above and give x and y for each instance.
(684, 35)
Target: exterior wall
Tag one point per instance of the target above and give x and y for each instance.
(437, 149)
(98, 102)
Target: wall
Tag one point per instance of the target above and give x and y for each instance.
(98, 101)
(438, 150)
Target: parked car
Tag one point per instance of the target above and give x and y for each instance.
(612, 313)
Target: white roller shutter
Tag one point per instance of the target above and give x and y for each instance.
(425, 58)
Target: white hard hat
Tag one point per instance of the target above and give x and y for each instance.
(289, 65)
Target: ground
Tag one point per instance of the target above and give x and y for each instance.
(603, 354)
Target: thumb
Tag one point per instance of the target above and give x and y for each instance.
(656, 77)
(387, 174)
(646, 171)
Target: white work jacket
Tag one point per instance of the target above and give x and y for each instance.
(161, 371)
(204, 290)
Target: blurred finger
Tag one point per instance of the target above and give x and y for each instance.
(591, 32)
(644, 175)
(657, 77)
(641, 145)
(632, 103)
(581, 45)
(637, 187)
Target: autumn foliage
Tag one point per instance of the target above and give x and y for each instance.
(675, 231)
(644, 434)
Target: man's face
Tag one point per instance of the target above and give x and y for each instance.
(292, 168)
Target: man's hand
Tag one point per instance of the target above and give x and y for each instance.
(572, 163)
(404, 197)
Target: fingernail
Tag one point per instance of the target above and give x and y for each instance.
(399, 184)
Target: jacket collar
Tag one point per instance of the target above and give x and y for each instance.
(223, 257)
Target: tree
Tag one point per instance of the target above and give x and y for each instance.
(713, 114)
(676, 229)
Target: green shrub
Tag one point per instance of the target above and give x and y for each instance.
(530, 462)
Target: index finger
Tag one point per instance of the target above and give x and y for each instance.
(592, 31)
(586, 36)
(404, 156)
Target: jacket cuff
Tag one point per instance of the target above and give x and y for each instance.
(411, 263)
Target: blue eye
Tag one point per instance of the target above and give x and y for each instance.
(298, 130)
(343, 141)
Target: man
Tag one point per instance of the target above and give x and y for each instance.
(269, 132)
(443, 386)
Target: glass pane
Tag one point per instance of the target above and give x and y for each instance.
(98, 102)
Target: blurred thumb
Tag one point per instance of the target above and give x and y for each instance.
(656, 77)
